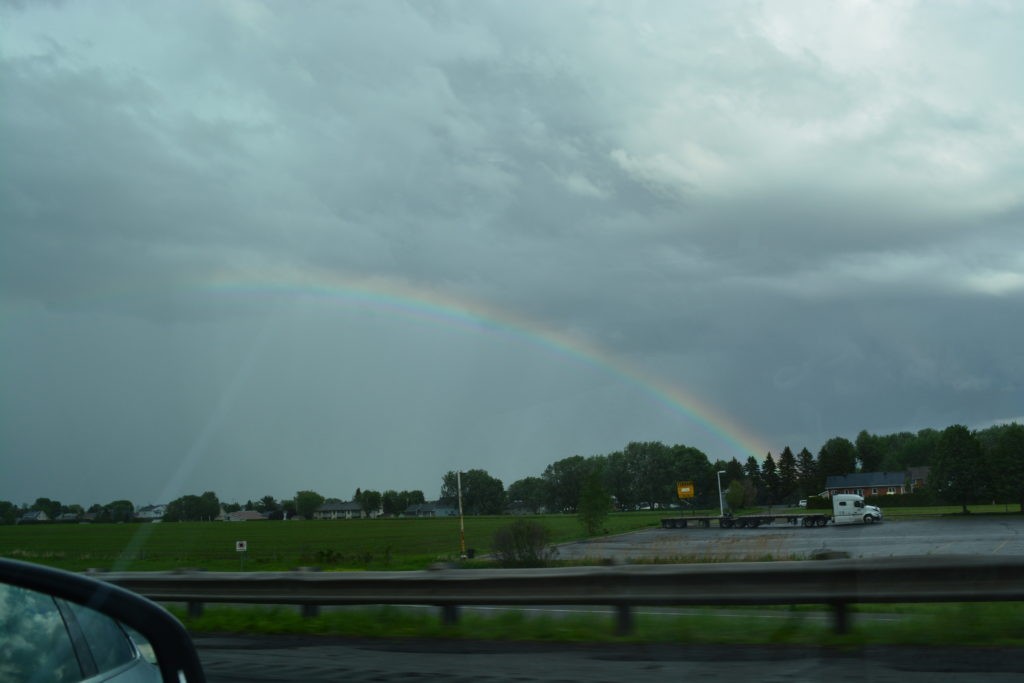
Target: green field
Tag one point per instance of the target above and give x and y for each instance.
(379, 544)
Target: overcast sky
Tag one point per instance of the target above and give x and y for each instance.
(261, 247)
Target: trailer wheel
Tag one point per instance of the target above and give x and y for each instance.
(725, 523)
(868, 519)
(808, 522)
(822, 521)
(754, 523)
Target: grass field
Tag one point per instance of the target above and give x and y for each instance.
(383, 544)
(380, 544)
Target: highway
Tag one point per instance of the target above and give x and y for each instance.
(315, 659)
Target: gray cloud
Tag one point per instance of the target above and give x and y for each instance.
(805, 218)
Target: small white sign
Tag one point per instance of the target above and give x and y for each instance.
(241, 546)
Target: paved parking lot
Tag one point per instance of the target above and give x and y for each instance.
(980, 536)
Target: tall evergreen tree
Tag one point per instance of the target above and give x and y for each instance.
(752, 472)
(811, 482)
(788, 478)
(770, 477)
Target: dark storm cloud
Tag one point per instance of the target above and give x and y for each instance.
(805, 216)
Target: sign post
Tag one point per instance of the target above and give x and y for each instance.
(243, 548)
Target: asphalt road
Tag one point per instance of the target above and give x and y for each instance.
(316, 659)
(978, 536)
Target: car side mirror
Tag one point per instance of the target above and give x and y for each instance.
(172, 647)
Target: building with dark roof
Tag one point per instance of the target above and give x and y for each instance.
(867, 483)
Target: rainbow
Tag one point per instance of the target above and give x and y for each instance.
(443, 308)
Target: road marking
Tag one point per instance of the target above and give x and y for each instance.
(1000, 546)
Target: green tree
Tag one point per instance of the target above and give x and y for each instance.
(8, 512)
(482, 494)
(267, 504)
(371, 501)
(869, 452)
(741, 494)
(187, 508)
(595, 502)
(306, 503)
(788, 475)
(45, 505)
(118, 511)
(837, 457)
(563, 481)
(810, 481)
(1006, 462)
(209, 506)
(529, 491)
(733, 470)
(958, 472)
(772, 481)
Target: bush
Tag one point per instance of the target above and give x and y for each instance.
(524, 543)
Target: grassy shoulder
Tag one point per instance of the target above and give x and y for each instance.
(959, 625)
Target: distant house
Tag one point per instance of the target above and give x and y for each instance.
(245, 516)
(350, 510)
(435, 509)
(33, 517)
(867, 483)
(151, 512)
(67, 517)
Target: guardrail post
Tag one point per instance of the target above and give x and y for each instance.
(623, 620)
(310, 611)
(195, 610)
(841, 612)
(449, 615)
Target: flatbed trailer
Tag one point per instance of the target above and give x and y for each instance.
(847, 508)
(748, 521)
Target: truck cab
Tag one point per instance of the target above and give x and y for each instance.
(849, 508)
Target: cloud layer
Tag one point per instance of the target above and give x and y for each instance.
(806, 218)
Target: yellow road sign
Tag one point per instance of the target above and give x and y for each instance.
(684, 489)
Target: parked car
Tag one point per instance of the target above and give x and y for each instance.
(802, 503)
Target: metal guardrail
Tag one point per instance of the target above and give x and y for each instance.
(836, 583)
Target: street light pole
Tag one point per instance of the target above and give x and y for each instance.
(462, 523)
(721, 503)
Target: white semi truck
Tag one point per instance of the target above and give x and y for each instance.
(847, 508)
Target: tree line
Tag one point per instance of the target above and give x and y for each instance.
(967, 467)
